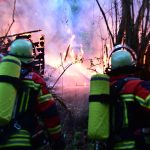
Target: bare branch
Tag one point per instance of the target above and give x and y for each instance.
(137, 26)
(67, 52)
(140, 16)
(120, 34)
(129, 23)
(18, 34)
(13, 19)
(61, 75)
(132, 11)
(147, 20)
(112, 20)
(105, 21)
(145, 41)
(61, 57)
(116, 15)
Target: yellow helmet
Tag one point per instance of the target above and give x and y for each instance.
(23, 49)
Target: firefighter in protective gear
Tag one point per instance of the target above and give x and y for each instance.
(37, 121)
(130, 112)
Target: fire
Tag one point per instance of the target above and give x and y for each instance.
(74, 52)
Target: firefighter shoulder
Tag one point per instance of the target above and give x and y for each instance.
(98, 119)
(130, 126)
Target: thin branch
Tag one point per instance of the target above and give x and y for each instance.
(137, 26)
(67, 52)
(112, 19)
(147, 19)
(18, 34)
(128, 24)
(93, 69)
(116, 15)
(61, 75)
(132, 10)
(13, 19)
(121, 30)
(105, 21)
(61, 61)
(140, 16)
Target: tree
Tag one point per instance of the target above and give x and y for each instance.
(131, 27)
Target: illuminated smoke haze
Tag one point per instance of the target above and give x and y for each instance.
(58, 20)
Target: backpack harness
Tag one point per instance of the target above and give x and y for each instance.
(118, 130)
(18, 120)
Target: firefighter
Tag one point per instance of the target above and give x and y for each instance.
(130, 107)
(37, 122)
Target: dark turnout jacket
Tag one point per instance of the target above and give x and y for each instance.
(131, 114)
(35, 102)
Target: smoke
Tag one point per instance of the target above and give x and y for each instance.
(58, 20)
(55, 18)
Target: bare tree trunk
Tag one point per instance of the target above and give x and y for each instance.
(147, 21)
(133, 31)
(116, 15)
(135, 44)
(120, 34)
(129, 23)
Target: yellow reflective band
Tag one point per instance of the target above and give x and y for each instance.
(21, 133)
(148, 100)
(45, 98)
(127, 97)
(40, 93)
(54, 130)
(125, 145)
(32, 84)
(22, 100)
(125, 119)
(16, 145)
(17, 142)
(27, 100)
(142, 102)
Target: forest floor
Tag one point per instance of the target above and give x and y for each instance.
(74, 117)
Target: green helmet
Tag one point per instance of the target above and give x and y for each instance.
(122, 56)
(23, 49)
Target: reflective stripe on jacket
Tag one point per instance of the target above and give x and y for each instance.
(135, 97)
(19, 139)
(124, 145)
(46, 106)
(35, 93)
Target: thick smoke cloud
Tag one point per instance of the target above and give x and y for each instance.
(58, 20)
(55, 18)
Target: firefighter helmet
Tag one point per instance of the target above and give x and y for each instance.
(23, 49)
(122, 56)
